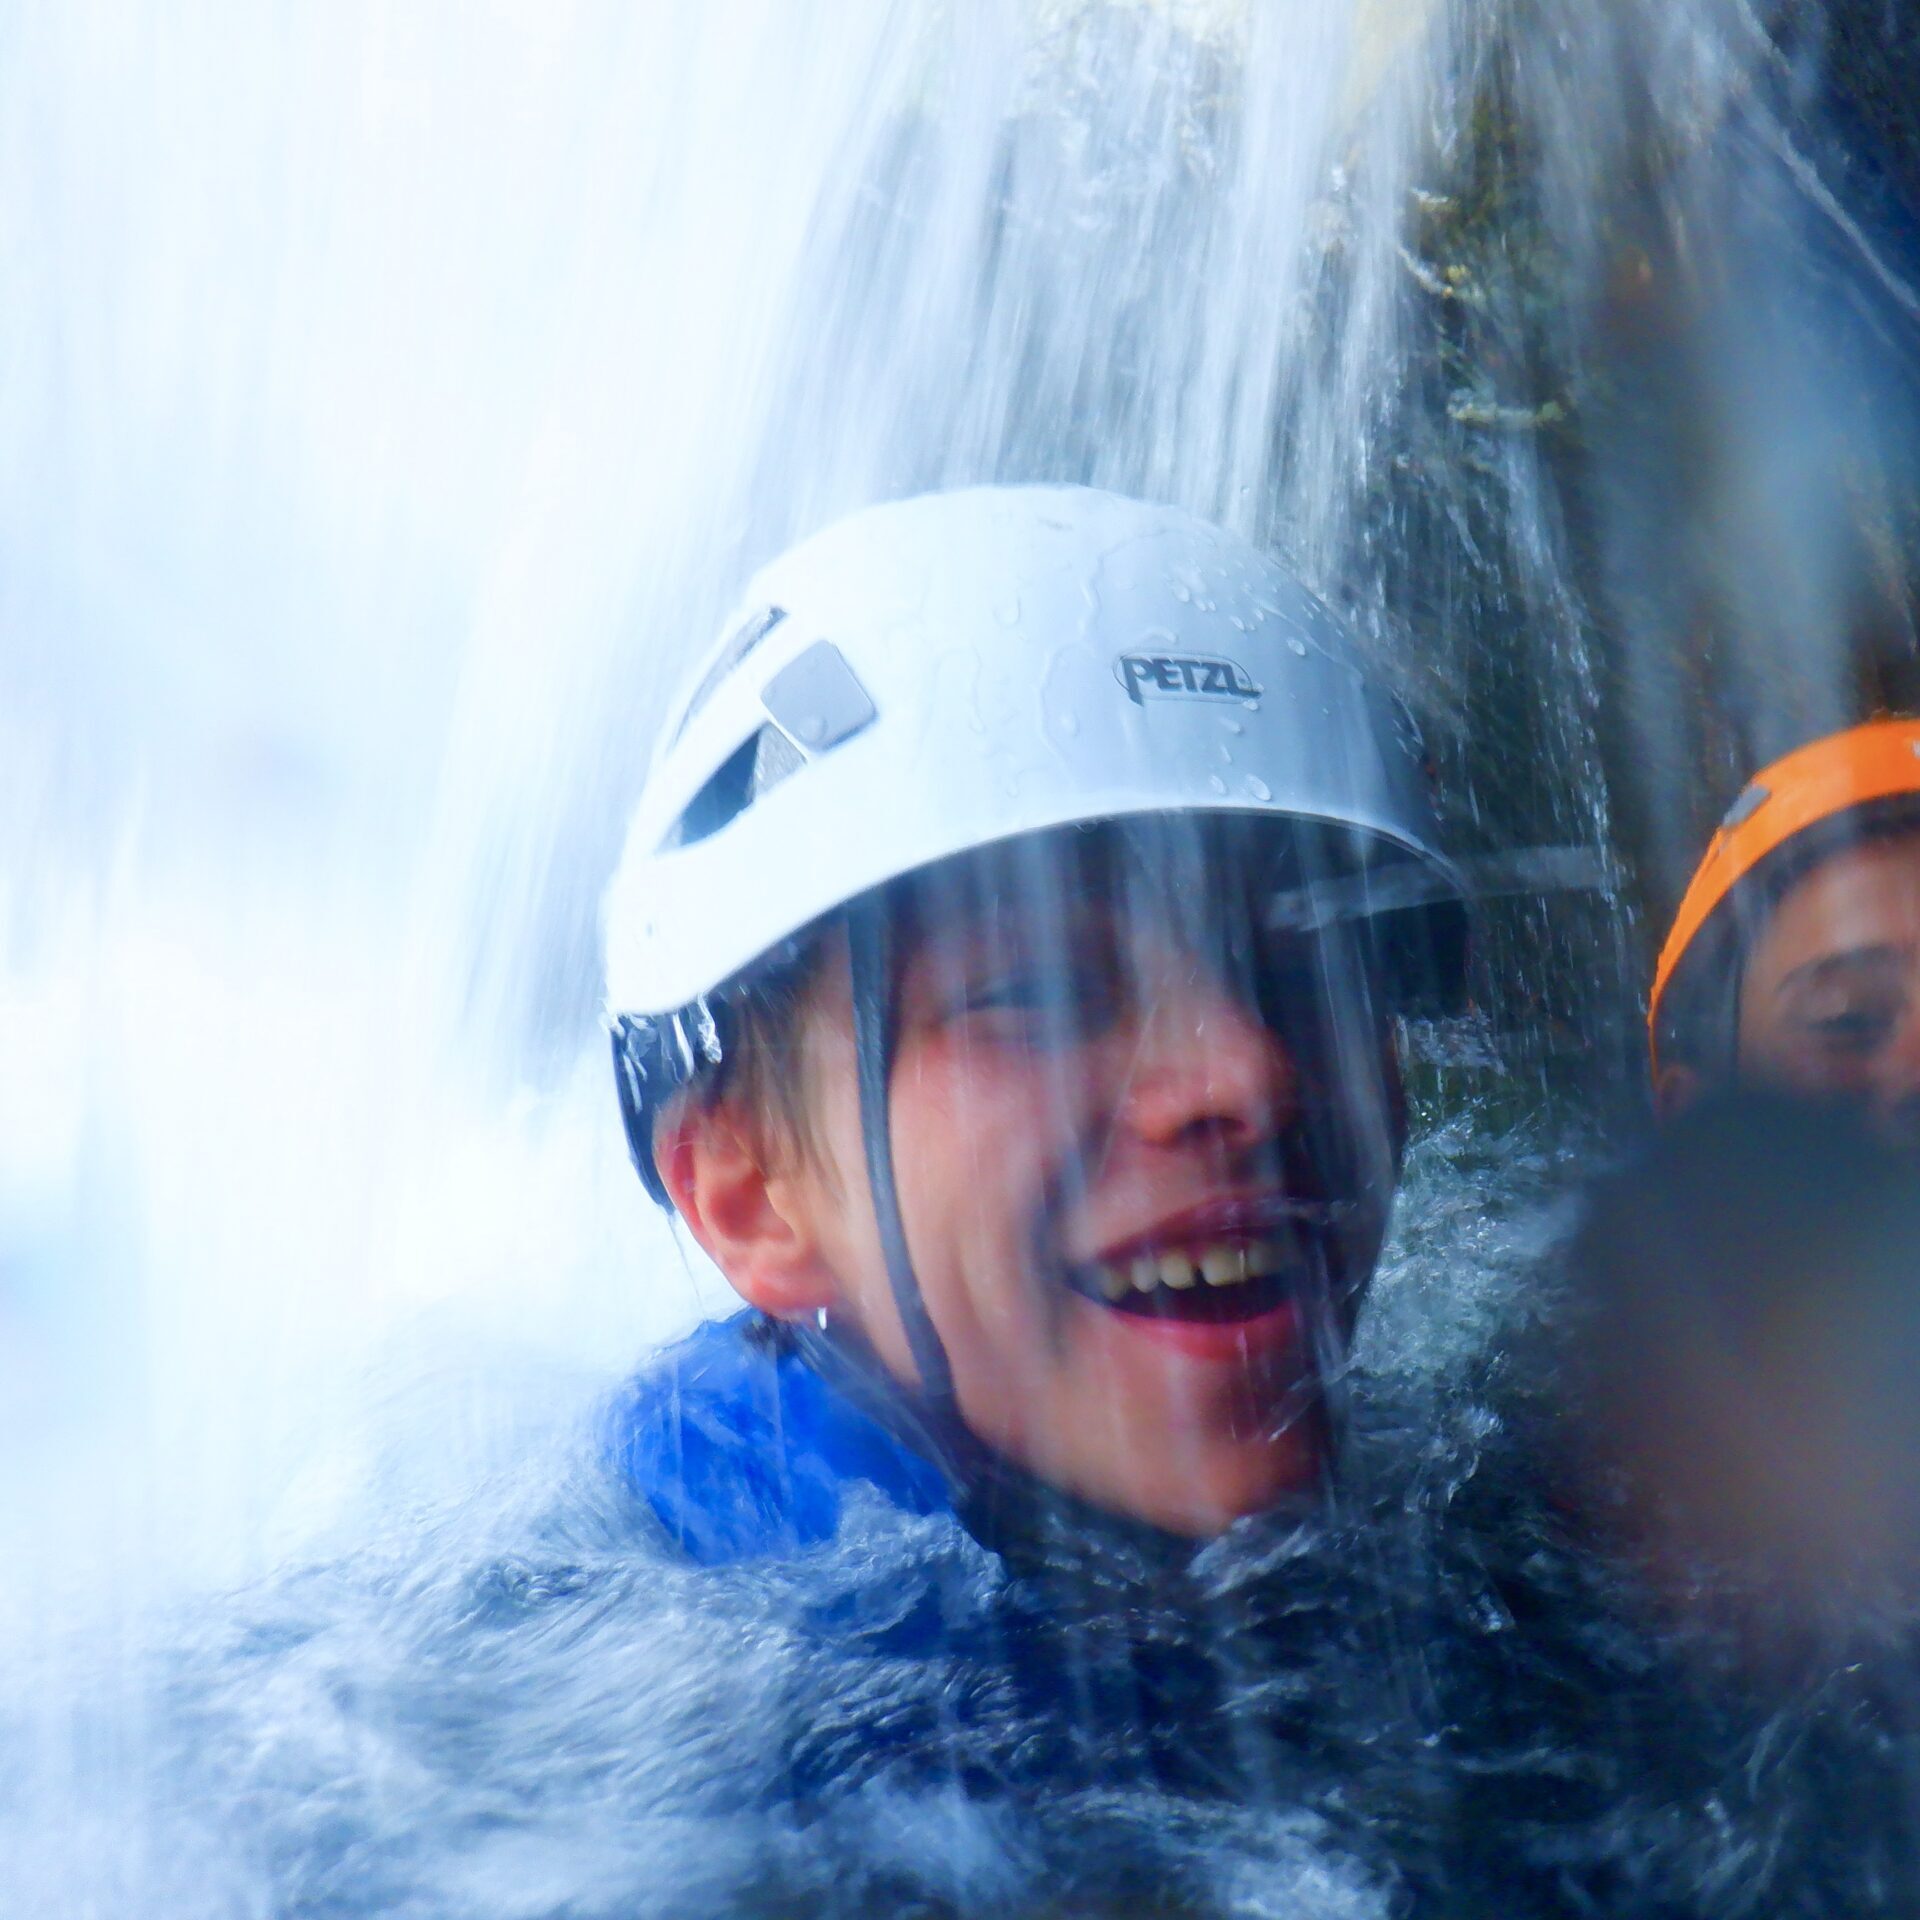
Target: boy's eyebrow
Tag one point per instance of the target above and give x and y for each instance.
(1882, 956)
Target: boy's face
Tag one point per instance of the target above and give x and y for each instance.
(1143, 1151)
(1830, 1000)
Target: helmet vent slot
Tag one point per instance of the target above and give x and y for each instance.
(757, 765)
(745, 637)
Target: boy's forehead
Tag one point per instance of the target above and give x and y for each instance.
(1068, 891)
(1857, 897)
(1021, 875)
(1117, 866)
(1062, 887)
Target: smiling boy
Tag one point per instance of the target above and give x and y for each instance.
(1003, 972)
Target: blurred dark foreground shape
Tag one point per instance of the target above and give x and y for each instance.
(1747, 1358)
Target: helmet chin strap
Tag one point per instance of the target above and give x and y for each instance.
(873, 1036)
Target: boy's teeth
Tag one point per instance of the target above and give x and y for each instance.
(1223, 1266)
(1217, 1266)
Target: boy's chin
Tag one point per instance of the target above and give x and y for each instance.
(1217, 1481)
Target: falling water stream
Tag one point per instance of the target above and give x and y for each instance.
(391, 400)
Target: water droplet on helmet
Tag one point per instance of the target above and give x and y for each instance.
(1216, 783)
(1238, 625)
(1258, 787)
(1182, 592)
(1232, 726)
(1298, 645)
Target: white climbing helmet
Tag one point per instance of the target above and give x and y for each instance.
(946, 672)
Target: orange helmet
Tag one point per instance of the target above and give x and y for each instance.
(1821, 782)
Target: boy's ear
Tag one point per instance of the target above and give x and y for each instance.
(715, 1170)
(1675, 1088)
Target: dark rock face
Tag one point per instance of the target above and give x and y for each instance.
(1658, 473)
(1865, 56)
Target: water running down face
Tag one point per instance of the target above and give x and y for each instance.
(1143, 1150)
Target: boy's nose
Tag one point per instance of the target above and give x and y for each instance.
(1205, 1069)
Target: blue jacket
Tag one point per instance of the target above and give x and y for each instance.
(745, 1452)
(746, 1440)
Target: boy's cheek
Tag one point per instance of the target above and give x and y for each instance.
(965, 1120)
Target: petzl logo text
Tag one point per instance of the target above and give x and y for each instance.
(1186, 676)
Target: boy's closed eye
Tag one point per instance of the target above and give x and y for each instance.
(1850, 1005)
(1855, 1031)
(1034, 1003)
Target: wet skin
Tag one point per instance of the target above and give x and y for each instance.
(1059, 1116)
(1830, 999)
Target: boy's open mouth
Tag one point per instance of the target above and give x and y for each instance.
(1229, 1276)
